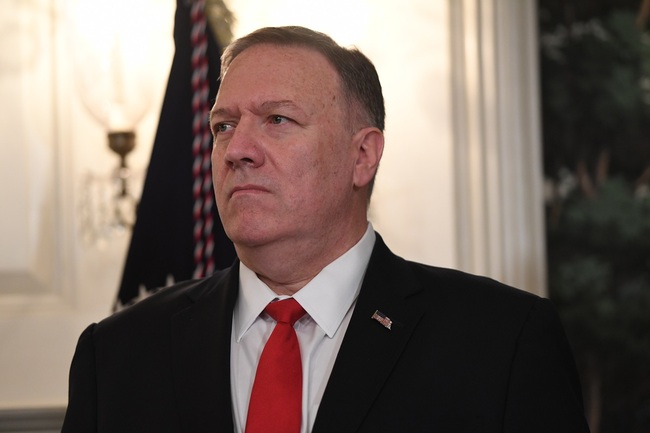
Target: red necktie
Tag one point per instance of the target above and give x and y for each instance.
(276, 399)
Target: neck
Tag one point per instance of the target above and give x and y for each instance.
(287, 266)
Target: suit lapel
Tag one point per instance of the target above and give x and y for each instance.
(201, 355)
(370, 350)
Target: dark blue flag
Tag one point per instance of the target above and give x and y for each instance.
(163, 243)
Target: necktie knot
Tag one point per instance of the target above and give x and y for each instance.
(285, 311)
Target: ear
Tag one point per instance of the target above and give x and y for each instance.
(369, 143)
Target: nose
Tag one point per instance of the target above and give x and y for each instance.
(244, 149)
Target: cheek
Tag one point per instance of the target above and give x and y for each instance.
(214, 157)
(326, 175)
(312, 169)
(336, 160)
(217, 160)
(218, 171)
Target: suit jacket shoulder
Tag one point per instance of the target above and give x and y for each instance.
(462, 353)
(160, 365)
(164, 303)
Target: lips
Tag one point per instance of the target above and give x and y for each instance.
(247, 189)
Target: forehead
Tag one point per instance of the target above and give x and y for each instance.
(267, 71)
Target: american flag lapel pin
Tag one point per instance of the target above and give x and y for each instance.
(381, 318)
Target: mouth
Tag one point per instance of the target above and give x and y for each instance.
(247, 189)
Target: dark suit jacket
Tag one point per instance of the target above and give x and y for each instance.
(465, 354)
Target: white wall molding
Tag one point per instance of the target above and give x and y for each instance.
(41, 420)
(36, 273)
(499, 202)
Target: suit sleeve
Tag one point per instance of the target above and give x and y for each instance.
(544, 393)
(81, 414)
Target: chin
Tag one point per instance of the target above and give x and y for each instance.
(247, 237)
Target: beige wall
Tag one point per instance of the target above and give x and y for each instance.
(52, 282)
(431, 197)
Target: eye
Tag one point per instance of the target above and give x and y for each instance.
(222, 127)
(276, 119)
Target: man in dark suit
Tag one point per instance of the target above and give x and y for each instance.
(385, 345)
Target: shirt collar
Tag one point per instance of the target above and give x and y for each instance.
(326, 298)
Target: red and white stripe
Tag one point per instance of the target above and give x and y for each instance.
(201, 145)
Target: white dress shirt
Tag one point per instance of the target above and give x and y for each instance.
(328, 299)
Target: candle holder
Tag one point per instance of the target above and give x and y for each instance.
(114, 59)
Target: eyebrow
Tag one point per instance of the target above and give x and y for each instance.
(271, 105)
(219, 112)
(264, 107)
